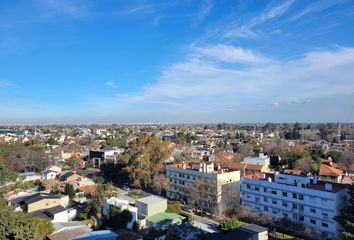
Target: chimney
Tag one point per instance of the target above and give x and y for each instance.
(183, 165)
(315, 179)
(269, 179)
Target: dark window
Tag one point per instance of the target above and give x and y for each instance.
(312, 210)
(301, 218)
(256, 189)
(274, 201)
(301, 197)
(285, 194)
(265, 190)
(312, 221)
(325, 225)
(274, 192)
(265, 199)
(248, 186)
(294, 195)
(265, 208)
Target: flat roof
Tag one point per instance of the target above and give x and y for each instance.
(162, 217)
(151, 199)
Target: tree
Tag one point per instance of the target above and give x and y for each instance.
(43, 226)
(306, 165)
(144, 159)
(203, 195)
(69, 190)
(73, 161)
(346, 217)
(174, 207)
(347, 159)
(229, 224)
(6, 175)
(159, 183)
(16, 225)
(52, 141)
(102, 191)
(118, 219)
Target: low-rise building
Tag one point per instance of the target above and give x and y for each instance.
(121, 204)
(151, 205)
(297, 198)
(260, 160)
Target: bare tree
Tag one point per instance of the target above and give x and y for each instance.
(347, 159)
(306, 165)
(160, 182)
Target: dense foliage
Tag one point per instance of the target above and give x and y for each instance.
(229, 224)
(346, 218)
(20, 226)
(174, 207)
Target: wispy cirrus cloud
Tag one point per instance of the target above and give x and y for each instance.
(246, 30)
(203, 12)
(315, 7)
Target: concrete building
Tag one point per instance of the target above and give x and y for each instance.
(56, 214)
(151, 205)
(298, 198)
(224, 184)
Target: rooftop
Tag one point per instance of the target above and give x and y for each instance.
(319, 186)
(165, 217)
(150, 199)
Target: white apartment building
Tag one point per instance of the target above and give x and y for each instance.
(223, 183)
(298, 198)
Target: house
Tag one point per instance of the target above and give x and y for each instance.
(121, 204)
(329, 173)
(108, 155)
(98, 235)
(247, 232)
(151, 205)
(260, 160)
(51, 172)
(68, 230)
(70, 176)
(56, 214)
(247, 168)
(28, 176)
(299, 198)
(39, 201)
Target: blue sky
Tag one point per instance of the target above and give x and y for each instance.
(181, 61)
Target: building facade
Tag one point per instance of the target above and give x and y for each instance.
(223, 185)
(297, 198)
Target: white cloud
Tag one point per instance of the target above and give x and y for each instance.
(314, 7)
(228, 53)
(204, 11)
(246, 30)
(199, 83)
(111, 84)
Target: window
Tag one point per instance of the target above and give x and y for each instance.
(248, 186)
(325, 225)
(265, 189)
(285, 204)
(256, 189)
(257, 199)
(285, 194)
(295, 195)
(265, 199)
(301, 218)
(294, 206)
(274, 201)
(312, 221)
(274, 192)
(312, 210)
(301, 197)
(265, 208)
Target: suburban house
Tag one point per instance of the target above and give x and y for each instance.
(70, 176)
(68, 230)
(56, 214)
(246, 232)
(248, 168)
(121, 204)
(38, 201)
(28, 176)
(223, 184)
(299, 198)
(99, 157)
(51, 172)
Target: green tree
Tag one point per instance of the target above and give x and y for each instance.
(52, 141)
(174, 207)
(69, 190)
(118, 219)
(6, 175)
(346, 217)
(43, 226)
(229, 224)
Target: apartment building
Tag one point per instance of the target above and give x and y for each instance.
(298, 198)
(223, 185)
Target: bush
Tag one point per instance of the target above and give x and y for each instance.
(174, 207)
(229, 224)
(188, 216)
